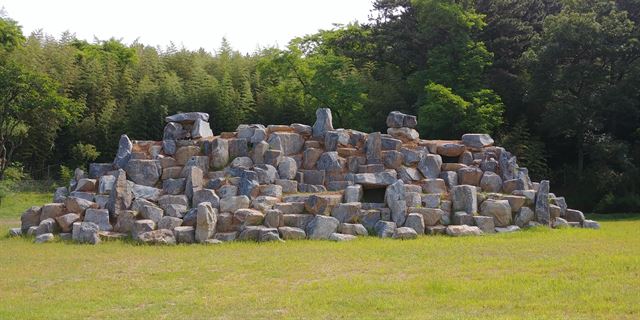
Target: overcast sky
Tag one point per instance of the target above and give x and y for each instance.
(247, 24)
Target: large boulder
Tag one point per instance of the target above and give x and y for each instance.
(86, 232)
(187, 117)
(206, 222)
(385, 229)
(289, 143)
(373, 147)
(100, 217)
(491, 182)
(219, 153)
(430, 165)
(201, 129)
(404, 134)
(144, 172)
(416, 222)
(321, 227)
(287, 168)
(30, 218)
(397, 119)
(324, 122)
(477, 140)
(499, 210)
(464, 198)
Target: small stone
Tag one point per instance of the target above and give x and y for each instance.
(339, 237)
(404, 134)
(100, 217)
(486, 224)
(291, 233)
(85, 232)
(184, 234)
(416, 222)
(324, 122)
(499, 210)
(559, 223)
(463, 230)
(590, 224)
(45, 237)
(507, 229)
(464, 198)
(169, 223)
(158, 237)
(524, 216)
(477, 140)
(574, 216)
(321, 227)
(66, 221)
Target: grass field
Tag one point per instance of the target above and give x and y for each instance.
(537, 274)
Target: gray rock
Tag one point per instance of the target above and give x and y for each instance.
(78, 205)
(499, 210)
(158, 237)
(507, 229)
(86, 185)
(227, 191)
(206, 222)
(353, 193)
(574, 216)
(389, 143)
(173, 131)
(430, 165)
(289, 143)
(404, 134)
(97, 170)
(335, 139)
(106, 183)
(376, 180)
(269, 234)
(124, 152)
(242, 162)
(169, 147)
(238, 148)
(85, 232)
(469, 176)
(331, 161)
(385, 229)
(60, 194)
(463, 230)
(463, 218)
(205, 195)
(416, 222)
(339, 237)
(477, 140)
(354, 229)
(395, 200)
(147, 193)
(173, 186)
(273, 218)
(271, 190)
(45, 237)
(302, 129)
(125, 221)
(66, 221)
(543, 215)
(187, 117)
(464, 198)
(201, 129)
(310, 158)
(590, 224)
(373, 147)
(524, 216)
(194, 181)
(15, 232)
(321, 227)
(287, 168)
(100, 217)
(267, 174)
(225, 236)
(184, 234)
(48, 225)
(324, 122)
(559, 223)
(169, 223)
(151, 212)
(232, 204)
(291, 233)
(347, 212)
(491, 182)
(219, 153)
(405, 233)
(52, 210)
(396, 119)
(144, 172)
(486, 224)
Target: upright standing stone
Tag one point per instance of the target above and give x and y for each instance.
(395, 200)
(542, 204)
(206, 222)
(373, 147)
(121, 195)
(430, 165)
(124, 152)
(324, 122)
(219, 154)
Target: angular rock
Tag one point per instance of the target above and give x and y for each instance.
(169, 223)
(543, 215)
(385, 229)
(416, 222)
(573, 216)
(206, 222)
(66, 221)
(590, 224)
(477, 140)
(347, 212)
(404, 134)
(507, 229)
(324, 122)
(125, 221)
(232, 204)
(405, 233)
(450, 149)
(430, 165)
(486, 224)
(48, 225)
(147, 193)
(205, 195)
(184, 234)
(219, 153)
(491, 182)
(289, 143)
(187, 117)
(201, 129)
(85, 232)
(464, 198)
(287, 168)
(354, 229)
(559, 223)
(157, 237)
(124, 152)
(463, 230)
(45, 237)
(375, 180)
(524, 216)
(499, 210)
(321, 227)
(249, 217)
(395, 200)
(100, 217)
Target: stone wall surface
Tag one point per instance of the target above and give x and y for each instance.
(287, 182)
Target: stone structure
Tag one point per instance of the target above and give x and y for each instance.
(283, 182)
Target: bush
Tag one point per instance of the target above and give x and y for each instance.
(66, 174)
(619, 204)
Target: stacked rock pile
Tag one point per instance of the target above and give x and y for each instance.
(283, 182)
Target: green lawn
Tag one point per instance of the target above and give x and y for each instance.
(538, 274)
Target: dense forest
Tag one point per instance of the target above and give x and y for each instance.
(557, 82)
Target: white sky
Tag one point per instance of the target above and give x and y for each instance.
(247, 24)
